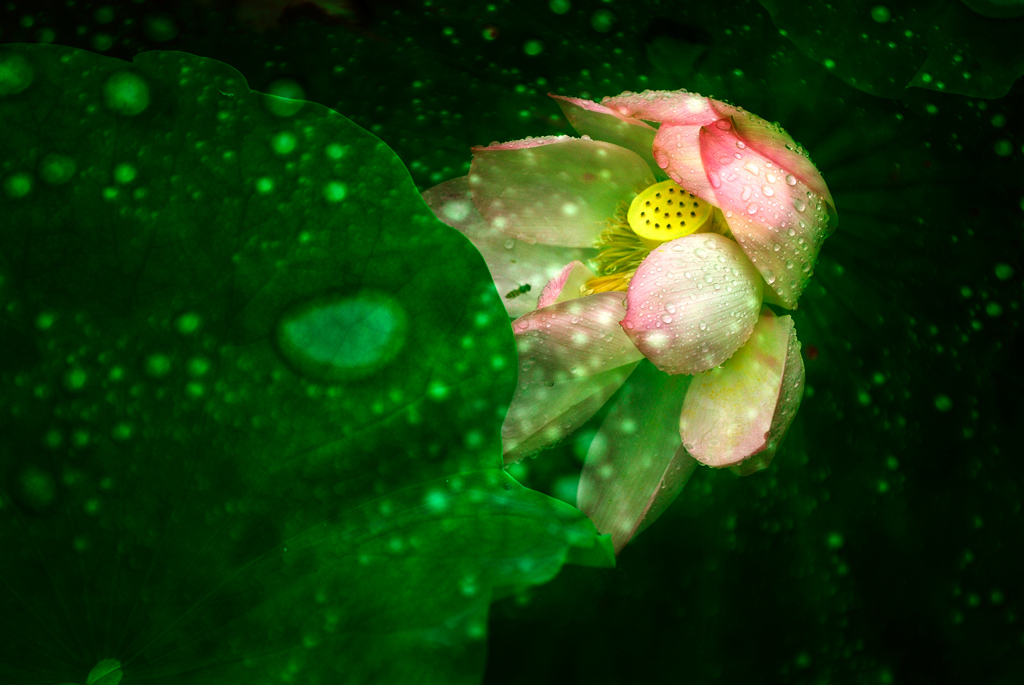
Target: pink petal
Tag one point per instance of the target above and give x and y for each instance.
(566, 285)
(777, 220)
(677, 151)
(692, 303)
(572, 357)
(636, 464)
(772, 141)
(791, 394)
(666, 106)
(513, 264)
(744, 407)
(559, 191)
(601, 123)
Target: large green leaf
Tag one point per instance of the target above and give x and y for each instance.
(252, 393)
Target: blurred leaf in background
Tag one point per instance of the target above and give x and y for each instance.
(969, 47)
(252, 392)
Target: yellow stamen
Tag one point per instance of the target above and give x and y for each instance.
(605, 284)
(620, 252)
(632, 234)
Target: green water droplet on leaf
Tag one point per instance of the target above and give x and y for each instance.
(341, 338)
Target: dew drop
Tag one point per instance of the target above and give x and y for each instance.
(752, 208)
(716, 181)
(745, 195)
(791, 179)
(767, 190)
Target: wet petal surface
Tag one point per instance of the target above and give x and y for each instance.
(772, 141)
(666, 106)
(790, 395)
(636, 464)
(692, 303)
(519, 269)
(559, 191)
(732, 413)
(777, 220)
(601, 123)
(677, 151)
(572, 357)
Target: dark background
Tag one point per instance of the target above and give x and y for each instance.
(884, 543)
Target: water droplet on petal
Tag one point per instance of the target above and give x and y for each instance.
(752, 208)
(723, 124)
(716, 181)
(791, 179)
(745, 195)
(799, 204)
(767, 190)
(769, 276)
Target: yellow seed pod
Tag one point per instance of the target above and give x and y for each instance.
(665, 211)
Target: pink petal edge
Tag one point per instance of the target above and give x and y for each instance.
(775, 143)
(729, 414)
(665, 106)
(775, 218)
(572, 358)
(692, 303)
(566, 285)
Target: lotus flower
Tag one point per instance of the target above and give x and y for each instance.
(660, 233)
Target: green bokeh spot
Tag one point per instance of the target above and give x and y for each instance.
(126, 93)
(124, 173)
(57, 169)
(284, 98)
(284, 143)
(18, 185)
(335, 191)
(15, 74)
